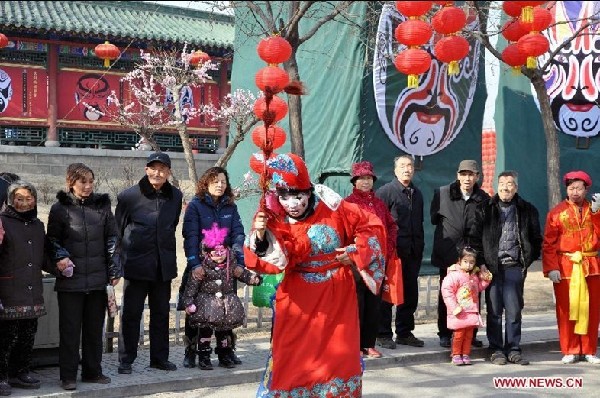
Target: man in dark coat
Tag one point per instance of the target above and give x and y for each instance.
(405, 202)
(506, 233)
(452, 207)
(147, 215)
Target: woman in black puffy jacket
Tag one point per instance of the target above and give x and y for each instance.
(81, 223)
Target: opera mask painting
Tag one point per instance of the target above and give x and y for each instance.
(424, 120)
(573, 78)
(91, 95)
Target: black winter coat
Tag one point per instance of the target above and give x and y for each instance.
(452, 217)
(87, 233)
(408, 214)
(486, 230)
(22, 258)
(146, 223)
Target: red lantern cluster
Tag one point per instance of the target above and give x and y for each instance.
(3, 40)
(530, 43)
(108, 52)
(270, 108)
(199, 58)
(413, 33)
(450, 49)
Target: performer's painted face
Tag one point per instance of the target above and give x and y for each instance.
(576, 192)
(294, 203)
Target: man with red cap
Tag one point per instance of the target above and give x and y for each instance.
(570, 261)
(315, 238)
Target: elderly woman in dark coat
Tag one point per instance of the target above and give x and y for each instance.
(81, 224)
(22, 256)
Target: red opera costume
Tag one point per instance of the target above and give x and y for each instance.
(315, 342)
(567, 233)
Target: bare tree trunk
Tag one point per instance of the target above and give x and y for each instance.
(294, 101)
(552, 147)
(187, 150)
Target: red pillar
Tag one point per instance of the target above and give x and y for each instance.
(223, 91)
(52, 138)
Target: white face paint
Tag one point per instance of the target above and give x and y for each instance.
(294, 204)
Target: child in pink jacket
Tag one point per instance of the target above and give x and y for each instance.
(460, 291)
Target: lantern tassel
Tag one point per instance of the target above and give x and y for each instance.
(527, 14)
(516, 70)
(106, 62)
(453, 69)
(413, 81)
(531, 62)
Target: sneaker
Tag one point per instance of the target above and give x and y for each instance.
(466, 359)
(445, 341)
(124, 368)
(457, 360)
(498, 358)
(24, 380)
(569, 358)
(410, 340)
(516, 358)
(592, 359)
(371, 353)
(100, 379)
(386, 342)
(68, 385)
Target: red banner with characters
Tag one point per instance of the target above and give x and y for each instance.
(23, 93)
(83, 98)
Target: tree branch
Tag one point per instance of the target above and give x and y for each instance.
(295, 19)
(339, 8)
(558, 49)
(257, 11)
(483, 33)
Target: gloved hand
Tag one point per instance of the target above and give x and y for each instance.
(554, 276)
(595, 202)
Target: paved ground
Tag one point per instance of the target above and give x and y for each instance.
(539, 334)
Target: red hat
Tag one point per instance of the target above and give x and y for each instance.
(578, 175)
(362, 169)
(289, 172)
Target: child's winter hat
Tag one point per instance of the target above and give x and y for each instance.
(214, 237)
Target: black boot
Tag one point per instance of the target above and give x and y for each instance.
(189, 359)
(234, 358)
(204, 351)
(225, 360)
(5, 389)
(223, 349)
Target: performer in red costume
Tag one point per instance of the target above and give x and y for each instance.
(315, 240)
(570, 260)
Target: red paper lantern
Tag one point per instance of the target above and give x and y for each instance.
(3, 40)
(444, 3)
(413, 9)
(513, 57)
(274, 50)
(108, 52)
(413, 62)
(199, 57)
(272, 77)
(413, 32)
(512, 8)
(533, 45)
(450, 50)
(449, 20)
(527, 9)
(257, 162)
(542, 18)
(278, 107)
(513, 30)
(274, 137)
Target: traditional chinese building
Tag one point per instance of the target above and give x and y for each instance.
(49, 67)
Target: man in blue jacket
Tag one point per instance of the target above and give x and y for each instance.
(147, 215)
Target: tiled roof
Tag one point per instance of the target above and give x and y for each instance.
(99, 20)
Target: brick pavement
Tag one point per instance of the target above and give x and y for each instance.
(539, 333)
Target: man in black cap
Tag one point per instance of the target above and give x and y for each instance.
(147, 215)
(452, 210)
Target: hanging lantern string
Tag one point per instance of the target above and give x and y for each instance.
(97, 82)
